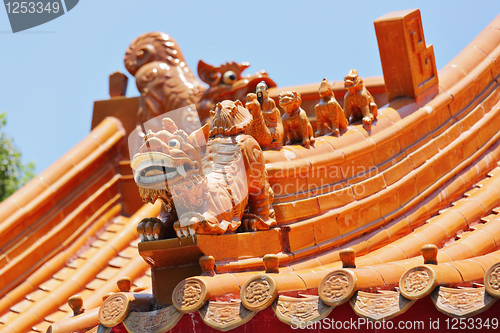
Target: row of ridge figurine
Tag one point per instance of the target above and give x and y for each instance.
(294, 126)
(220, 201)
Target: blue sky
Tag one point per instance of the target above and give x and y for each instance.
(50, 75)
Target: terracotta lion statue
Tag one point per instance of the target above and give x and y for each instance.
(296, 125)
(359, 104)
(211, 181)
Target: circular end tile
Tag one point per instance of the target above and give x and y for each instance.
(258, 292)
(114, 309)
(492, 280)
(337, 287)
(189, 295)
(417, 282)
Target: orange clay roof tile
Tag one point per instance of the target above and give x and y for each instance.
(83, 274)
(445, 274)
(28, 194)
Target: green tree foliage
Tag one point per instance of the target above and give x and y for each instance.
(13, 173)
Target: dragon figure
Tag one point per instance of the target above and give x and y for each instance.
(166, 83)
(206, 187)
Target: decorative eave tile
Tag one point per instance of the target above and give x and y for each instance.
(462, 302)
(225, 316)
(294, 311)
(386, 305)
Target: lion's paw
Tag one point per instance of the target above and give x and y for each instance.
(188, 224)
(150, 228)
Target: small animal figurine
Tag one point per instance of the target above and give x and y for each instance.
(328, 111)
(296, 126)
(266, 126)
(358, 102)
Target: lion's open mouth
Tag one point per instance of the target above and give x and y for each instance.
(153, 171)
(156, 170)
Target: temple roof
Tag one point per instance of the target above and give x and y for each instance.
(435, 181)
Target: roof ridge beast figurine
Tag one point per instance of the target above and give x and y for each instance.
(296, 125)
(205, 193)
(328, 111)
(358, 102)
(266, 127)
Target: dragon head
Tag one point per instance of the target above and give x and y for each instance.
(227, 83)
(168, 161)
